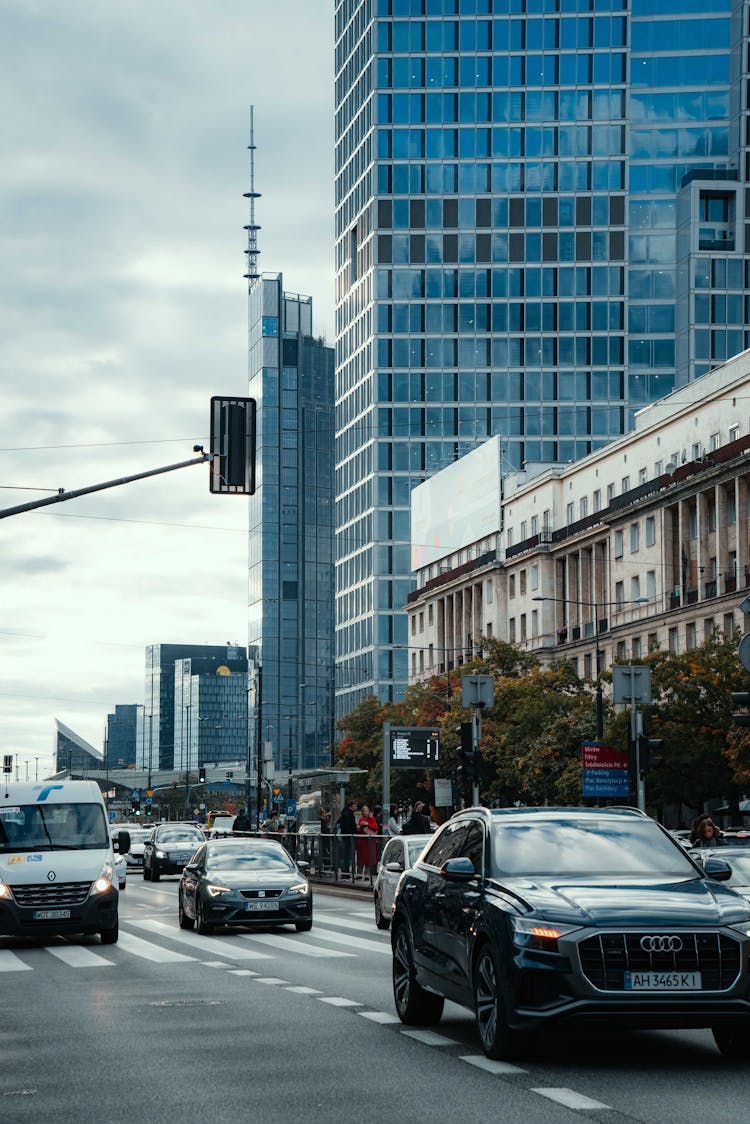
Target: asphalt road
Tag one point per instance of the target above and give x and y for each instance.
(283, 1026)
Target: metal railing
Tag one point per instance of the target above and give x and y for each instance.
(346, 859)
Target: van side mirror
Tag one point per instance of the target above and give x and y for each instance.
(122, 843)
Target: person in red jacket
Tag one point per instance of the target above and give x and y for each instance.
(367, 828)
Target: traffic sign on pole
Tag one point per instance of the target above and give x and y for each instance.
(631, 683)
(744, 651)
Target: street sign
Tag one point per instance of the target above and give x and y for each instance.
(149, 801)
(8, 763)
(291, 807)
(477, 690)
(414, 747)
(606, 770)
(443, 792)
(631, 683)
(112, 817)
(744, 651)
(135, 794)
(744, 605)
(149, 792)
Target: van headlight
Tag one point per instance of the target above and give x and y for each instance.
(5, 890)
(104, 881)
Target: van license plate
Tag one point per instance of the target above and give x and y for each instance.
(51, 914)
(253, 907)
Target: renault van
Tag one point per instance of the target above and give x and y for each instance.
(57, 860)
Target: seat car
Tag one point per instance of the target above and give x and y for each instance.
(243, 882)
(399, 853)
(169, 848)
(541, 917)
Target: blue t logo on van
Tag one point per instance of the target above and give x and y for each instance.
(46, 790)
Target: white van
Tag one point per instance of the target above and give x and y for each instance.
(56, 860)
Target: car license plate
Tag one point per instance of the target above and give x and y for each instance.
(256, 907)
(51, 914)
(662, 981)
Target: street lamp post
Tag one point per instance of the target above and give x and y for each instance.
(189, 708)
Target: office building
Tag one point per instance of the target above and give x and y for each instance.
(210, 713)
(157, 746)
(540, 228)
(640, 545)
(122, 735)
(73, 754)
(291, 590)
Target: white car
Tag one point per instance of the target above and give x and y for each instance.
(138, 836)
(121, 870)
(399, 854)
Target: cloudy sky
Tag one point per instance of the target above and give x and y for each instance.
(123, 139)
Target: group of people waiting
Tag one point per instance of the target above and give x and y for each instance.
(358, 827)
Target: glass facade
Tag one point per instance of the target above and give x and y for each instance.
(291, 575)
(160, 743)
(210, 712)
(122, 735)
(519, 251)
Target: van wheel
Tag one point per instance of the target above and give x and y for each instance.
(109, 936)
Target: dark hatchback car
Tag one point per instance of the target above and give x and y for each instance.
(243, 882)
(538, 917)
(170, 849)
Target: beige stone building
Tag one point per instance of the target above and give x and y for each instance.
(643, 543)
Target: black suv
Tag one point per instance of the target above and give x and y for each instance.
(170, 849)
(536, 916)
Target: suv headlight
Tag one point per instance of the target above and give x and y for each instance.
(104, 881)
(536, 933)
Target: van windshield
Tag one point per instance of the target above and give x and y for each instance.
(53, 827)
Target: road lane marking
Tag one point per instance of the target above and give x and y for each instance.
(569, 1098)
(9, 962)
(302, 990)
(343, 923)
(353, 942)
(220, 946)
(148, 951)
(429, 1038)
(491, 1066)
(381, 1017)
(241, 972)
(289, 944)
(78, 956)
(338, 1001)
(273, 980)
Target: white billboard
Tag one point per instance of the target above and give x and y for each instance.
(457, 506)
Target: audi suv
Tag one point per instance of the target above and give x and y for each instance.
(536, 917)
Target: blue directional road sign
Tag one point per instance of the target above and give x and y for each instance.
(291, 807)
(149, 800)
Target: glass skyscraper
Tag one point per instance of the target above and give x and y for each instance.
(539, 229)
(291, 581)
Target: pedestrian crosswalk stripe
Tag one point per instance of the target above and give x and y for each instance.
(9, 962)
(274, 981)
(344, 923)
(429, 1038)
(353, 942)
(78, 956)
(381, 1017)
(339, 1001)
(289, 944)
(300, 989)
(148, 951)
(219, 946)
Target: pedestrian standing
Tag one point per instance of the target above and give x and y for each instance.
(347, 828)
(418, 823)
(367, 827)
(393, 827)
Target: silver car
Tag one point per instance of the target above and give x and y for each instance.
(399, 854)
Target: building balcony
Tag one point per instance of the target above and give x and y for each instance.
(710, 588)
(673, 599)
(691, 596)
(730, 583)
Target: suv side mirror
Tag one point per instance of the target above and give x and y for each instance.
(394, 867)
(458, 870)
(718, 870)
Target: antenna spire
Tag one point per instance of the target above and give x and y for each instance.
(252, 229)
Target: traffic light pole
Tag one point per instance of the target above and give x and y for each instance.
(476, 733)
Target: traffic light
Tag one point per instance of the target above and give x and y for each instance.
(649, 753)
(466, 732)
(201, 774)
(148, 809)
(741, 698)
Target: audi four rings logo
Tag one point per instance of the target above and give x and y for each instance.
(661, 944)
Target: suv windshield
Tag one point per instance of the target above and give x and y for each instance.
(588, 847)
(53, 827)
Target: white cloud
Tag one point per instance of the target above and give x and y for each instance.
(122, 310)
